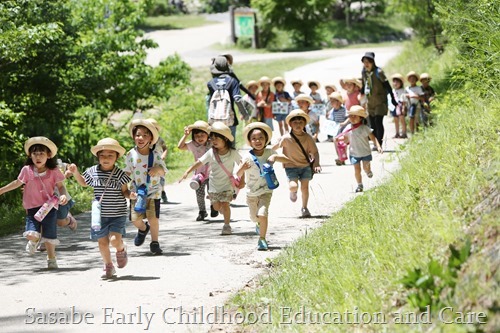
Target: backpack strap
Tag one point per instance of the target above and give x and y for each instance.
(256, 161)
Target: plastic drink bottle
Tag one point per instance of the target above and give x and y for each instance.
(142, 196)
(270, 176)
(96, 215)
(197, 180)
(341, 150)
(46, 207)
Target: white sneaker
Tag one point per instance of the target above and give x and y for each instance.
(31, 247)
(226, 229)
(52, 263)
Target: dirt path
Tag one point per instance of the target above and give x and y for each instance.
(200, 268)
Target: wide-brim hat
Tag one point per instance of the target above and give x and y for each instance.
(155, 123)
(220, 65)
(424, 76)
(369, 55)
(297, 113)
(40, 140)
(229, 58)
(146, 123)
(221, 128)
(398, 76)
(261, 126)
(108, 144)
(279, 79)
(332, 86)
(296, 81)
(336, 95)
(200, 125)
(309, 83)
(357, 110)
(264, 79)
(352, 80)
(304, 97)
(252, 83)
(412, 73)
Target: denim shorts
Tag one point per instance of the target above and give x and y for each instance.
(63, 211)
(269, 122)
(48, 226)
(299, 173)
(412, 110)
(108, 225)
(280, 117)
(356, 160)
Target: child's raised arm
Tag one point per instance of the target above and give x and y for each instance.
(191, 168)
(79, 178)
(182, 143)
(11, 186)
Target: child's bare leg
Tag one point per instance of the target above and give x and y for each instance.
(155, 228)
(104, 249)
(357, 173)
(412, 125)
(139, 224)
(402, 120)
(293, 186)
(367, 166)
(226, 211)
(262, 226)
(304, 190)
(33, 238)
(396, 125)
(116, 241)
(286, 127)
(281, 125)
(51, 250)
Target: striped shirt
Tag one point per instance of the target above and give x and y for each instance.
(113, 202)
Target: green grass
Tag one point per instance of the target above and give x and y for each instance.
(174, 22)
(358, 257)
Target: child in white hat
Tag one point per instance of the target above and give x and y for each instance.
(110, 185)
(40, 176)
(222, 159)
(357, 135)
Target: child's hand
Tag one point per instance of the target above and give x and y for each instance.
(380, 150)
(271, 159)
(184, 176)
(245, 165)
(72, 168)
(63, 199)
(155, 171)
(187, 130)
(317, 169)
(133, 195)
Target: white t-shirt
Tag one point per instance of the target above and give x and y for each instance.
(219, 181)
(414, 93)
(256, 185)
(359, 141)
(137, 166)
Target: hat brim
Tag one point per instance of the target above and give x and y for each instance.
(149, 125)
(40, 140)
(202, 127)
(97, 148)
(297, 113)
(304, 98)
(258, 125)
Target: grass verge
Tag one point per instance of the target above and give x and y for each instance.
(355, 262)
(174, 22)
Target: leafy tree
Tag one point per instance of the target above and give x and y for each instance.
(304, 19)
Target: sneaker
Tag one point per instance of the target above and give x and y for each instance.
(359, 188)
(41, 247)
(154, 247)
(201, 215)
(213, 212)
(293, 196)
(109, 271)
(397, 136)
(369, 174)
(226, 229)
(141, 236)
(52, 263)
(404, 136)
(31, 247)
(164, 199)
(262, 245)
(122, 257)
(305, 213)
(72, 222)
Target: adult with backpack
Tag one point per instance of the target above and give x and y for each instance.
(224, 93)
(375, 88)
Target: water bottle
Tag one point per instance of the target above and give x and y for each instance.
(341, 150)
(96, 215)
(142, 197)
(270, 176)
(46, 208)
(197, 180)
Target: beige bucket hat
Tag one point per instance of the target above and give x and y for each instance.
(252, 83)
(297, 113)
(398, 76)
(264, 79)
(200, 125)
(296, 82)
(146, 123)
(304, 97)
(332, 86)
(357, 110)
(40, 140)
(336, 95)
(425, 76)
(313, 82)
(258, 125)
(108, 144)
(278, 79)
(155, 124)
(351, 80)
(222, 129)
(412, 73)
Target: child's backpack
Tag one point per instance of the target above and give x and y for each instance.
(220, 108)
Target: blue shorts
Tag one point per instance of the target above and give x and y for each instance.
(280, 117)
(304, 173)
(412, 110)
(356, 160)
(63, 211)
(108, 225)
(48, 226)
(269, 122)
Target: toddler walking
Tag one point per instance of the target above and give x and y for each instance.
(357, 135)
(40, 176)
(110, 190)
(199, 145)
(221, 182)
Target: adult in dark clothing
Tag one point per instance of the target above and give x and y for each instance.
(375, 88)
(221, 75)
